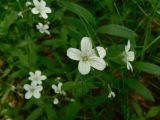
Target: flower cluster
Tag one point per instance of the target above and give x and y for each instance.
(58, 90)
(35, 87)
(88, 58)
(40, 9)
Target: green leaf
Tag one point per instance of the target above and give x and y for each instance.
(137, 109)
(140, 88)
(72, 111)
(80, 11)
(153, 111)
(117, 30)
(147, 67)
(36, 113)
(7, 22)
(50, 112)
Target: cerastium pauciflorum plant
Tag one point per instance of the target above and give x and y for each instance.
(80, 60)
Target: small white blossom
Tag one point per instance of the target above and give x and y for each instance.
(129, 56)
(72, 99)
(55, 101)
(28, 4)
(111, 94)
(37, 77)
(43, 28)
(87, 56)
(40, 8)
(20, 14)
(57, 89)
(32, 90)
(13, 88)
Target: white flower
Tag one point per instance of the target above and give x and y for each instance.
(40, 8)
(111, 94)
(43, 28)
(32, 90)
(87, 56)
(20, 14)
(55, 101)
(72, 99)
(28, 4)
(57, 89)
(37, 77)
(129, 56)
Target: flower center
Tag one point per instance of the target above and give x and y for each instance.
(32, 90)
(85, 58)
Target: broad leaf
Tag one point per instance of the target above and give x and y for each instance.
(140, 88)
(117, 30)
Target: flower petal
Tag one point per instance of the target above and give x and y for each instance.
(127, 47)
(36, 2)
(101, 51)
(130, 56)
(59, 86)
(74, 54)
(39, 88)
(48, 10)
(55, 88)
(28, 95)
(38, 73)
(129, 66)
(97, 63)
(44, 15)
(86, 44)
(55, 101)
(27, 87)
(43, 77)
(34, 11)
(42, 3)
(84, 67)
(36, 94)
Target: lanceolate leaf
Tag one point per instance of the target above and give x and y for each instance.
(140, 88)
(80, 11)
(153, 111)
(147, 67)
(117, 30)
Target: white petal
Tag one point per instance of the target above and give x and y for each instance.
(55, 101)
(38, 73)
(84, 67)
(39, 88)
(34, 85)
(43, 77)
(130, 56)
(36, 2)
(31, 73)
(46, 31)
(97, 63)
(86, 44)
(74, 54)
(36, 94)
(127, 47)
(129, 66)
(27, 87)
(28, 95)
(59, 86)
(48, 10)
(44, 15)
(35, 11)
(101, 51)
(43, 3)
(55, 88)
(46, 26)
